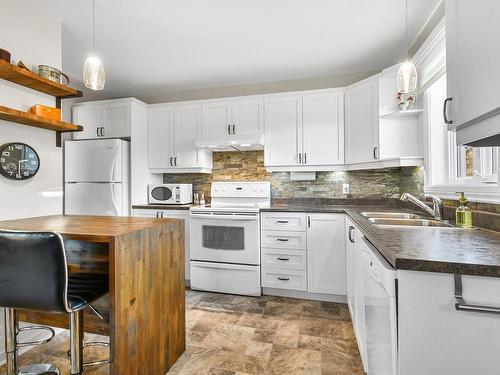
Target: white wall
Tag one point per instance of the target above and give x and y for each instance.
(35, 39)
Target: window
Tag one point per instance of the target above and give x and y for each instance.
(451, 168)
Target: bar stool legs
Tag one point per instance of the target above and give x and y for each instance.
(77, 345)
(11, 345)
(76, 342)
(11, 327)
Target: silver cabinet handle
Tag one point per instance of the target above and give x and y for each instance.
(97, 131)
(309, 221)
(175, 161)
(375, 152)
(283, 239)
(282, 221)
(305, 158)
(460, 304)
(300, 158)
(229, 129)
(445, 112)
(171, 161)
(157, 213)
(351, 228)
(162, 214)
(283, 259)
(283, 278)
(103, 134)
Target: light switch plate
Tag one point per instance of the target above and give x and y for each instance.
(346, 189)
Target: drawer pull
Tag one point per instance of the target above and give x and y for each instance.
(282, 221)
(283, 278)
(282, 239)
(460, 304)
(283, 259)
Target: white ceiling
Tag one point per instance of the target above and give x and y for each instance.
(150, 46)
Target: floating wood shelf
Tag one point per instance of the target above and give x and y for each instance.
(27, 78)
(13, 115)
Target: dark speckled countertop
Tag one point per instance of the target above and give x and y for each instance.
(449, 250)
(163, 206)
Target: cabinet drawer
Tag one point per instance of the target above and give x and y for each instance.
(283, 239)
(284, 259)
(284, 279)
(283, 221)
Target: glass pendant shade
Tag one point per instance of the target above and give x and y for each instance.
(93, 73)
(407, 78)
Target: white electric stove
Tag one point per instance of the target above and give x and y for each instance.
(225, 238)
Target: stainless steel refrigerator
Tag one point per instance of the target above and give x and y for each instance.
(96, 175)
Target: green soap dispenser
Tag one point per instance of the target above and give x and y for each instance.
(464, 213)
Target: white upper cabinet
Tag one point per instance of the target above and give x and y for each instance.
(216, 120)
(362, 121)
(323, 128)
(304, 132)
(104, 119)
(472, 61)
(247, 117)
(116, 120)
(172, 134)
(88, 116)
(283, 131)
(226, 119)
(326, 254)
(160, 137)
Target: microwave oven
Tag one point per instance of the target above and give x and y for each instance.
(170, 193)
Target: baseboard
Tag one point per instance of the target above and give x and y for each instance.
(304, 295)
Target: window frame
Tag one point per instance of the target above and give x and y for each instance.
(429, 60)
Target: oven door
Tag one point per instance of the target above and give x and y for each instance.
(225, 238)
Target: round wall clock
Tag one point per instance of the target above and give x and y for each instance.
(18, 161)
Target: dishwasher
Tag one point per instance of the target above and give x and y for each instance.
(380, 312)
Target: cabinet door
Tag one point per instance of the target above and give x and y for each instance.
(88, 116)
(160, 137)
(216, 120)
(187, 127)
(323, 128)
(283, 131)
(472, 58)
(116, 120)
(247, 117)
(350, 251)
(326, 253)
(361, 125)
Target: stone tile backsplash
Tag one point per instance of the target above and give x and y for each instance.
(249, 166)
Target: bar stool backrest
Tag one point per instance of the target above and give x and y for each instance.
(33, 271)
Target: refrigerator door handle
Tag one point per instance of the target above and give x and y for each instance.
(113, 199)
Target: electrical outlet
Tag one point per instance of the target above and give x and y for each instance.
(346, 189)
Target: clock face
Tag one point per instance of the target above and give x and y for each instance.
(18, 161)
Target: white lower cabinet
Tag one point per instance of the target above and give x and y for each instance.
(303, 252)
(435, 338)
(326, 254)
(171, 214)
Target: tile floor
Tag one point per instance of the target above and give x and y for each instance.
(235, 335)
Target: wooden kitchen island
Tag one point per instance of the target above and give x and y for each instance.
(145, 311)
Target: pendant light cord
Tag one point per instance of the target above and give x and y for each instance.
(93, 26)
(406, 29)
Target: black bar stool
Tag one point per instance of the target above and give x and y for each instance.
(34, 276)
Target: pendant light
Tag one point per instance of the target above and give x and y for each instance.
(93, 70)
(407, 73)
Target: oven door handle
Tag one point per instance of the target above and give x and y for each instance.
(225, 217)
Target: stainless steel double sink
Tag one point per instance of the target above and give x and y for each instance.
(404, 219)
